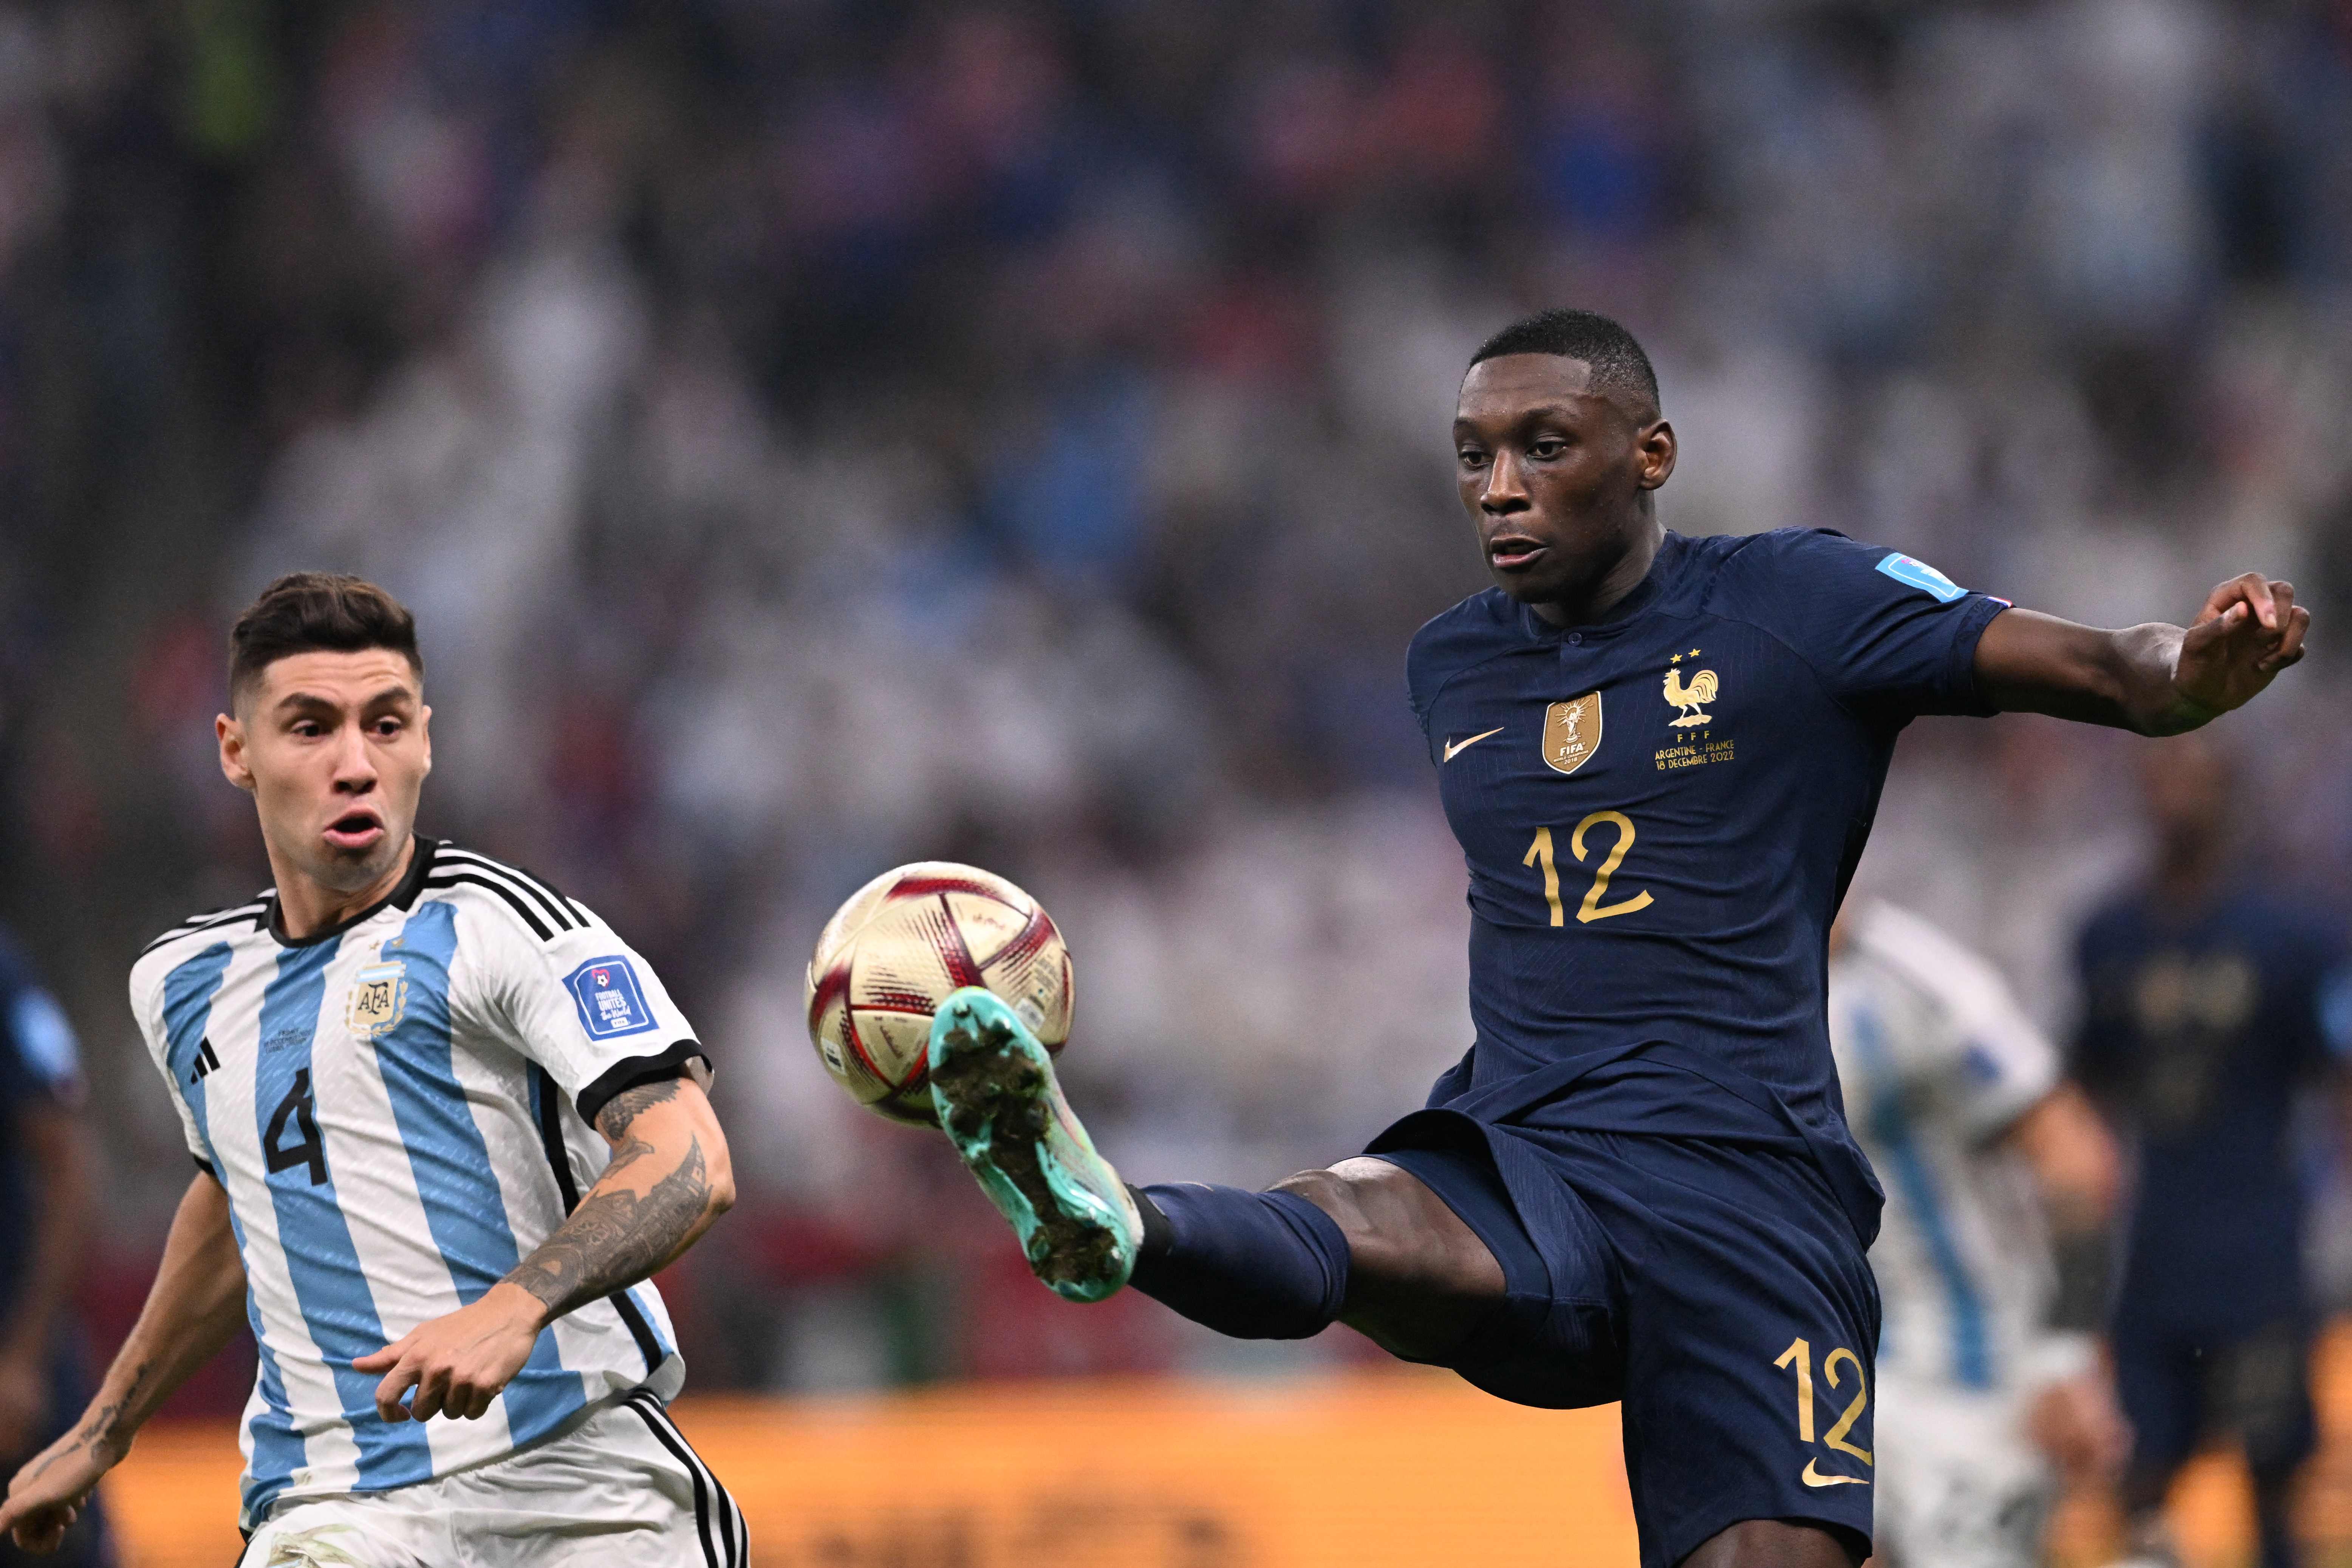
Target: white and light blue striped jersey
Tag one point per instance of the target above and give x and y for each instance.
(1937, 1061)
(400, 1110)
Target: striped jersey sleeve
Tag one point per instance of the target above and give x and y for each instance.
(574, 997)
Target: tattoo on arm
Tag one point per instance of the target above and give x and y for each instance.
(626, 1107)
(617, 1238)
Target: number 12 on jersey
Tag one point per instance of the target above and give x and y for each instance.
(1592, 909)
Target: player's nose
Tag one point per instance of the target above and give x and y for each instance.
(353, 764)
(1504, 489)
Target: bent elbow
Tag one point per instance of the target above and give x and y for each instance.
(719, 1195)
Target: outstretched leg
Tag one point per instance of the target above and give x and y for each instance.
(1364, 1242)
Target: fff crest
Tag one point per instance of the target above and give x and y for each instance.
(1572, 733)
(379, 996)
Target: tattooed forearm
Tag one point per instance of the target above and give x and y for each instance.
(617, 1238)
(626, 1107)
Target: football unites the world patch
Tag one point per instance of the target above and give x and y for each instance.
(609, 1000)
(1917, 573)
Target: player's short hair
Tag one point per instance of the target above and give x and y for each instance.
(305, 612)
(1617, 360)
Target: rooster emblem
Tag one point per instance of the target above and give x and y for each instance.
(1692, 697)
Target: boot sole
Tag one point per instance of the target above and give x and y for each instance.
(997, 1104)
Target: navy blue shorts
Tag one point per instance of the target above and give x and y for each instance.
(1717, 1290)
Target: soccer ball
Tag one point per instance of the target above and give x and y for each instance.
(893, 952)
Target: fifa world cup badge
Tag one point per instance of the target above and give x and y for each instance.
(1572, 733)
(379, 996)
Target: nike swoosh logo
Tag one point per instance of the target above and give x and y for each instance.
(1813, 1478)
(1453, 747)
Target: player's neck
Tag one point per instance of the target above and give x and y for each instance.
(1610, 589)
(307, 905)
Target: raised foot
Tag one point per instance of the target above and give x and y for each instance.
(994, 1086)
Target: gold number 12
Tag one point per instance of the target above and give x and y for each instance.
(1592, 909)
(1798, 1357)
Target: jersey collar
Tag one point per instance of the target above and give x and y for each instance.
(403, 896)
(1623, 613)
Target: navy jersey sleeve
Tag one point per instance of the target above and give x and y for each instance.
(39, 1059)
(1885, 634)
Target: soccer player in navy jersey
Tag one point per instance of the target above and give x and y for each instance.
(1661, 757)
(2214, 1003)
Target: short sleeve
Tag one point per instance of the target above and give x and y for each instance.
(147, 1007)
(1884, 632)
(1988, 1062)
(585, 1006)
(2006, 1065)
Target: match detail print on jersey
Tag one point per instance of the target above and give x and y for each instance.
(1572, 733)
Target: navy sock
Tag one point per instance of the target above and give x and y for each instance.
(1257, 1265)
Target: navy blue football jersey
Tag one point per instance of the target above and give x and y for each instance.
(40, 1066)
(2200, 1028)
(1661, 812)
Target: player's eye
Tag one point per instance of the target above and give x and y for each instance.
(1471, 457)
(309, 729)
(387, 728)
(1548, 447)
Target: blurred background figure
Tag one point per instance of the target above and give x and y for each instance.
(47, 1207)
(2213, 1002)
(822, 436)
(1993, 1386)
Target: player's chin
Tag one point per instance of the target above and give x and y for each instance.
(1529, 585)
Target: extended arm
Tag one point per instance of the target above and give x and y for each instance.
(2155, 680)
(2076, 1167)
(193, 1309)
(58, 1155)
(669, 1178)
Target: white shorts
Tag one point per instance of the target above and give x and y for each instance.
(1961, 1483)
(622, 1490)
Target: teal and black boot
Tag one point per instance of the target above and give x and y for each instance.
(1003, 1112)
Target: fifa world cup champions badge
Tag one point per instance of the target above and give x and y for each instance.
(1572, 733)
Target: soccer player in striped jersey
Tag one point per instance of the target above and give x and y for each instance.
(446, 1125)
(1992, 1252)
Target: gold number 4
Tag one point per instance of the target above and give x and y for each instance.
(1801, 1356)
(1592, 909)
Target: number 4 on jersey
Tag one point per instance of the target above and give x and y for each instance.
(311, 1149)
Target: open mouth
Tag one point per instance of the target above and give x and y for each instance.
(1513, 552)
(355, 830)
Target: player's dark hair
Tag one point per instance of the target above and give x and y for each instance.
(305, 612)
(1617, 360)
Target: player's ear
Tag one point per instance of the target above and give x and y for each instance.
(424, 733)
(230, 734)
(1654, 449)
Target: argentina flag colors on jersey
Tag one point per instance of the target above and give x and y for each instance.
(400, 1109)
(1937, 1063)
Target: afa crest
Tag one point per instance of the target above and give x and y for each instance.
(1572, 733)
(379, 998)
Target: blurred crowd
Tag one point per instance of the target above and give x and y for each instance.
(815, 436)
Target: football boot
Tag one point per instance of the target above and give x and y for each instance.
(994, 1086)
